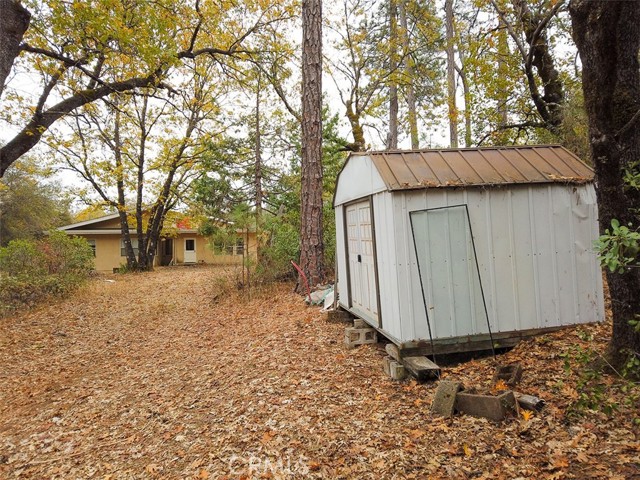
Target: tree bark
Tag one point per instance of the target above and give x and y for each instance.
(14, 21)
(451, 75)
(549, 105)
(607, 34)
(503, 69)
(257, 179)
(311, 242)
(353, 115)
(392, 139)
(132, 263)
(412, 116)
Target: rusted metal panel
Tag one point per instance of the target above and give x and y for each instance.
(479, 166)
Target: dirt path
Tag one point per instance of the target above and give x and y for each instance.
(150, 377)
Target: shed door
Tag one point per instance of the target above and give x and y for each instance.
(449, 273)
(362, 268)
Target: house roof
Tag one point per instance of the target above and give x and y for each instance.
(91, 222)
(94, 227)
(403, 170)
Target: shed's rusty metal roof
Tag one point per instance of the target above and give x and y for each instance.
(402, 170)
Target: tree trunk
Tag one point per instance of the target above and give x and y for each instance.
(392, 139)
(503, 69)
(357, 131)
(143, 260)
(311, 243)
(14, 21)
(257, 180)
(412, 116)
(607, 34)
(132, 262)
(550, 104)
(451, 75)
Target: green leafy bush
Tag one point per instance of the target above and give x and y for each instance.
(31, 270)
(282, 247)
(22, 258)
(619, 247)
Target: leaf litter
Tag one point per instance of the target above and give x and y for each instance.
(173, 374)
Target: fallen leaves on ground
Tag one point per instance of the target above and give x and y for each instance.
(162, 375)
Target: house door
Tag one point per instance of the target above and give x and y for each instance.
(361, 255)
(190, 250)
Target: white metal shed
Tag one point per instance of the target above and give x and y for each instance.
(450, 250)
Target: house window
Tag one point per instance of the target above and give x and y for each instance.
(134, 244)
(218, 248)
(92, 244)
(232, 247)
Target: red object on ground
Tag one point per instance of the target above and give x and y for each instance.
(304, 277)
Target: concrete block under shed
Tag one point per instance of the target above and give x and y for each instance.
(486, 406)
(394, 369)
(359, 336)
(359, 323)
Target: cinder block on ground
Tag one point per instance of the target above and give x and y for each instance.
(359, 336)
(339, 316)
(394, 369)
(510, 374)
(444, 401)
(487, 406)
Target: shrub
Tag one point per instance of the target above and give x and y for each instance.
(22, 258)
(32, 271)
(282, 247)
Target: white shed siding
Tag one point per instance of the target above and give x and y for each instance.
(534, 247)
(363, 180)
(341, 258)
(386, 260)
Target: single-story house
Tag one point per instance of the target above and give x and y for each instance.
(461, 249)
(184, 246)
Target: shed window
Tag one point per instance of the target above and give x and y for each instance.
(134, 244)
(92, 244)
(240, 246)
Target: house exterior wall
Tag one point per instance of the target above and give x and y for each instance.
(108, 250)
